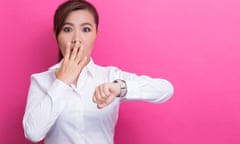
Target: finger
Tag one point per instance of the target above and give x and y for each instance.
(101, 105)
(106, 90)
(74, 52)
(98, 96)
(102, 92)
(79, 54)
(108, 101)
(67, 51)
(94, 99)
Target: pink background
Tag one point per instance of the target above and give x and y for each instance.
(193, 43)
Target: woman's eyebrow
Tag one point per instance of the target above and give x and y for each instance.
(82, 24)
(68, 23)
(86, 23)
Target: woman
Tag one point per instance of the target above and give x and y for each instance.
(77, 101)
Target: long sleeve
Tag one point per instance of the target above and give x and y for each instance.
(149, 89)
(61, 114)
(144, 87)
(46, 100)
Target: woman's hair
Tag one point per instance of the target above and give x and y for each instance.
(65, 9)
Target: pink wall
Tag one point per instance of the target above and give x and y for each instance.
(193, 43)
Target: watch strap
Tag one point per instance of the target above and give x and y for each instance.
(123, 87)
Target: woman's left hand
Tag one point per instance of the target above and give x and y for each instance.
(105, 94)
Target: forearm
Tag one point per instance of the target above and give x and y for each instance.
(43, 109)
(149, 89)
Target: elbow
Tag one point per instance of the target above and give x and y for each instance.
(170, 91)
(166, 92)
(32, 134)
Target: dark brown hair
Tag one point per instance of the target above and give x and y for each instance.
(65, 9)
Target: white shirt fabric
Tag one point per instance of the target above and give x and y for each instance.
(65, 114)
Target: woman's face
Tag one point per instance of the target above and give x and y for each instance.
(79, 27)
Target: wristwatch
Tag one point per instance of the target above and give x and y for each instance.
(123, 87)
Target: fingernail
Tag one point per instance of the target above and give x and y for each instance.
(99, 107)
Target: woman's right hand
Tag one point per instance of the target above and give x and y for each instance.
(73, 63)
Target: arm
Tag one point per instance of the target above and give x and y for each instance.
(43, 107)
(148, 89)
(138, 88)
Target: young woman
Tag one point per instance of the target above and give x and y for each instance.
(77, 101)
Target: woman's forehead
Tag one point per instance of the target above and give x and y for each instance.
(80, 16)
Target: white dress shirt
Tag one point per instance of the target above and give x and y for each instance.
(65, 114)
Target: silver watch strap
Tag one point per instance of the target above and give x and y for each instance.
(123, 87)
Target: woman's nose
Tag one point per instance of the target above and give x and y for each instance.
(76, 41)
(76, 38)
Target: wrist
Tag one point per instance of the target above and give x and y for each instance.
(123, 87)
(61, 78)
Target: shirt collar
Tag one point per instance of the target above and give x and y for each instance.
(89, 68)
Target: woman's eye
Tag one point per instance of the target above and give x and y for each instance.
(67, 29)
(86, 29)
